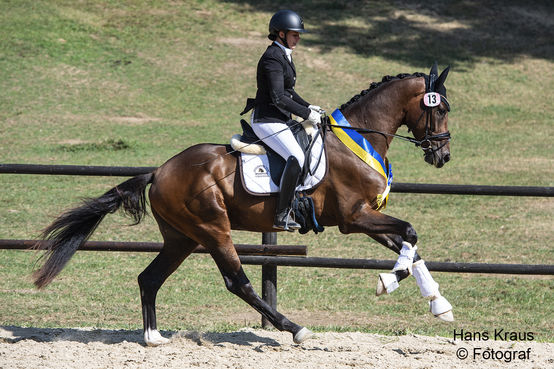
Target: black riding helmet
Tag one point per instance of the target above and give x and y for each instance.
(285, 20)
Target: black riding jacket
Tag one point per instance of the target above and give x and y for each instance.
(276, 98)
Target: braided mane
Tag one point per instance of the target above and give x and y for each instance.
(375, 85)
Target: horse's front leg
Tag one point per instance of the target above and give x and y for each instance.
(396, 235)
(409, 262)
(385, 229)
(391, 232)
(407, 252)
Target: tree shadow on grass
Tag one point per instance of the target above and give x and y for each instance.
(415, 32)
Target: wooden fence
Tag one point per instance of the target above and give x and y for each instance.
(270, 255)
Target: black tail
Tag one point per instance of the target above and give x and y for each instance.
(71, 229)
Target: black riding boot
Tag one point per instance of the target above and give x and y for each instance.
(283, 220)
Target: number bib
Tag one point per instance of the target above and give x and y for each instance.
(432, 99)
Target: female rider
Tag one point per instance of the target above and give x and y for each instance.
(275, 101)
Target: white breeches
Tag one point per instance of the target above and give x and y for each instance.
(279, 137)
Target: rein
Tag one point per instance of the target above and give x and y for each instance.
(425, 143)
(367, 130)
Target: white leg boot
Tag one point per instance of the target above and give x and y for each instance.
(388, 282)
(439, 306)
(154, 338)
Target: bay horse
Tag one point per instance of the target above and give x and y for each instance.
(197, 197)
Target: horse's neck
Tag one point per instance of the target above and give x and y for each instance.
(378, 116)
(384, 110)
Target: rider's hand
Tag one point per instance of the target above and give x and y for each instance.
(315, 108)
(315, 117)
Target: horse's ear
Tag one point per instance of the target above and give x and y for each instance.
(442, 78)
(433, 74)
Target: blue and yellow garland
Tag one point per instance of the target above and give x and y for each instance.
(363, 149)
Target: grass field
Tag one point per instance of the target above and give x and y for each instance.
(135, 82)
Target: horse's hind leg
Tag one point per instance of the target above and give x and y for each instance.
(236, 282)
(176, 248)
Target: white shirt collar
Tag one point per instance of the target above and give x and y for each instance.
(287, 51)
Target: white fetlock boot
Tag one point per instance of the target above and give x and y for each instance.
(153, 338)
(388, 282)
(438, 305)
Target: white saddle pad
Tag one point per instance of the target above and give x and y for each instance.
(257, 178)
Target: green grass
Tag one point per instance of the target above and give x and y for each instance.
(133, 83)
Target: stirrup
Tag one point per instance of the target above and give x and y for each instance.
(286, 222)
(289, 226)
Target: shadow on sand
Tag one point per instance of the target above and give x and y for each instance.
(13, 334)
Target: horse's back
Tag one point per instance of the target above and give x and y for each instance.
(202, 182)
(200, 157)
(192, 176)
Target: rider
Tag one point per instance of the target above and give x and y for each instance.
(275, 101)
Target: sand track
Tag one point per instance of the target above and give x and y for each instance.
(248, 348)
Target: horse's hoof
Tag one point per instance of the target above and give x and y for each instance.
(447, 317)
(386, 284)
(302, 335)
(441, 308)
(153, 338)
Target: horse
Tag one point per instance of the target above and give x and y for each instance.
(197, 198)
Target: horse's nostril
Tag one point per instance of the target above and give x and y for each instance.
(446, 158)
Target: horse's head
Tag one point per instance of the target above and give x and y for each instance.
(427, 117)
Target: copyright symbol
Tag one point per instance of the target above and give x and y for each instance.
(461, 353)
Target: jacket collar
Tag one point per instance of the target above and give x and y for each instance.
(287, 54)
(287, 51)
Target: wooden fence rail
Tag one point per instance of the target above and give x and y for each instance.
(270, 255)
(428, 188)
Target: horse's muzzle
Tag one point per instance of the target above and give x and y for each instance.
(437, 158)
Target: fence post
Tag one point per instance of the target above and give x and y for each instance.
(269, 278)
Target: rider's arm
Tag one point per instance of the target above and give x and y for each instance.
(273, 70)
(299, 99)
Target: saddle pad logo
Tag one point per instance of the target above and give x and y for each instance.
(261, 171)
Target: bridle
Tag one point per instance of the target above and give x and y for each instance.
(425, 143)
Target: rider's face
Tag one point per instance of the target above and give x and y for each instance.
(292, 38)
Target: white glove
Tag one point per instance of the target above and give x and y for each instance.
(315, 108)
(314, 118)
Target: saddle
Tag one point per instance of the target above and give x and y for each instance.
(249, 143)
(261, 169)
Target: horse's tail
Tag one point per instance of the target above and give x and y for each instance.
(70, 230)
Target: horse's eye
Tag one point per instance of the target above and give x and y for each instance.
(441, 112)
